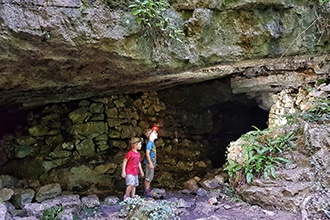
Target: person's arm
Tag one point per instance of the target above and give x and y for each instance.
(141, 170)
(151, 164)
(123, 171)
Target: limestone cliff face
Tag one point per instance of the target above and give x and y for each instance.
(57, 51)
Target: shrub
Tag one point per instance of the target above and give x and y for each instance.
(52, 213)
(150, 15)
(319, 112)
(137, 208)
(262, 154)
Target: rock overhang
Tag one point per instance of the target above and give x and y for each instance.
(280, 74)
(58, 51)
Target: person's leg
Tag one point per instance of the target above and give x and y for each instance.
(128, 192)
(146, 184)
(147, 178)
(133, 191)
(130, 185)
(136, 184)
(147, 191)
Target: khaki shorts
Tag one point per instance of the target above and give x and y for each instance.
(149, 173)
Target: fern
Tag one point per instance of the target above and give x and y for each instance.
(262, 155)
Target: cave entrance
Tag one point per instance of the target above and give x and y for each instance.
(230, 121)
(12, 119)
(222, 116)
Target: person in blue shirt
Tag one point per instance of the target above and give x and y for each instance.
(150, 160)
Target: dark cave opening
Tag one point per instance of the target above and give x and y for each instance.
(230, 122)
(11, 119)
(222, 116)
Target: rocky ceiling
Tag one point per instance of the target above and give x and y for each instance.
(62, 50)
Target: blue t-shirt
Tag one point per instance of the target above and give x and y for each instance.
(152, 147)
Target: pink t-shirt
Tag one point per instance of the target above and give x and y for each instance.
(133, 160)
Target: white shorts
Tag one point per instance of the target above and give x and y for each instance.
(131, 180)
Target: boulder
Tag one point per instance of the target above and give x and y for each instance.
(48, 191)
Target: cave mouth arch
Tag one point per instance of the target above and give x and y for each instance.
(223, 116)
(199, 122)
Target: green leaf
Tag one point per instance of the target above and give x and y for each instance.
(273, 172)
(140, 20)
(265, 175)
(249, 178)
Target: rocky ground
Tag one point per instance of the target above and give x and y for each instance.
(51, 203)
(202, 207)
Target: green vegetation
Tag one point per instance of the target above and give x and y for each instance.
(86, 212)
(149, 12)
(319, 112)
(262, 154)
(151, 16)
(52, 213)
(323, 1)
(136, 208)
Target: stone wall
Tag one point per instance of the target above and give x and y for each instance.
(82, 144)
(295, 101)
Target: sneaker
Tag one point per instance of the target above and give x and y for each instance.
(126, 197)
(147, 193)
